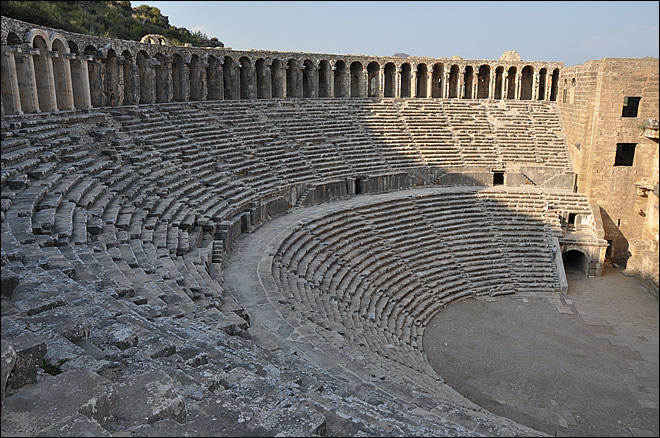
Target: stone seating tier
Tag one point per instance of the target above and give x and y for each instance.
(122, 218)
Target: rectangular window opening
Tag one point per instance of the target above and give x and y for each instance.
(625, 154)
(498, 178)
(630, 106)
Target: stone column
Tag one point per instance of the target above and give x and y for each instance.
(380, 83)
(47, 94)
(298, 92)
(278, 76)
(215, 81)
(362, 83)
(11, 98)
(63, 83)
(185, 81)
(203, 84)
(346, 81)
(491, 85)
(518, 84)
(314, 80)
(461, 84)
(250, 79)
(164, 84)
(429, 83)
(445, 87)
(397, 82)
(27, 80)
(131, 82)
(413, 81)
(475, 84)
(147, 82)
(264, 81)
(95, 69)
(535, 86)
(331, 80)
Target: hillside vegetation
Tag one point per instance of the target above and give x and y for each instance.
(114, 19)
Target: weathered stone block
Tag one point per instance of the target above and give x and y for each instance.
(30, 350)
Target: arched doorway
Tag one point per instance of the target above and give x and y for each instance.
(248, 89)
(356, 79)
(373, 79)
(499, 82)
(483, 84)
(325, 79)
(422, 81)
(453, 81)
(405, 80)
(468, 78)
(308, 79)
(554, 85)
(575, 261)
(526, 83)
(340, 72)
(437, 82)
(543, 73)
(390, 80)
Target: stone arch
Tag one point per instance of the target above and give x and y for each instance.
(214, 79)
(43, 72)
(389, 90)
(62, 75)
(468, 82)
(90, 50)
(554, 86)
(511, 83)
(453, 81)
(499, 82)
(325, 79)
(308, 79)
(73, 47)
(526, 83)
(483, 82)
(373, 79)
(13, 39)
(231, 79)
(356, 79)
(406, 77)
(577, 258)
(248, 82)
(422, 81)
(31, 35)
(437, 80)
(293, 79)
(543, 75)
(277, 78)
(340, 72)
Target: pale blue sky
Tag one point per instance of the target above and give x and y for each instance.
(572, 32)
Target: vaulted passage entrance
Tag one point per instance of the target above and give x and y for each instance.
(575, 260)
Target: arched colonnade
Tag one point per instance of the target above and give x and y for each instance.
(42, 71)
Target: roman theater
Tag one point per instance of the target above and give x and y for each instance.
(211, 242)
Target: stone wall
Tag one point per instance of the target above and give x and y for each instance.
(591, 103)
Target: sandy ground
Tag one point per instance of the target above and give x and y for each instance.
(581, 364)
